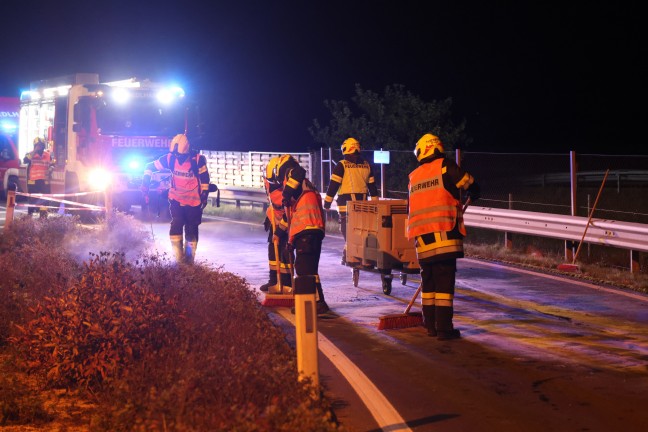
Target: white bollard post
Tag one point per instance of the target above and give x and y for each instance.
(306, 328)
(108, 202)
(11, 206)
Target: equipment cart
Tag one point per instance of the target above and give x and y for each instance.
(376, 240)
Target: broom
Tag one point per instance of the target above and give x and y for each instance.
(282, 299)
(404, 320)
(573, 267)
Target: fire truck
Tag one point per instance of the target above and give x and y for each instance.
(101, 135)
(9, 108)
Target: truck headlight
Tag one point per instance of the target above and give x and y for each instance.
(99, 178)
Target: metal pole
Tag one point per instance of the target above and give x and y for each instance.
(570, 246)
(382, 179)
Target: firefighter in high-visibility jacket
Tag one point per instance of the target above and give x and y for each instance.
(188, 194)
(279, 262)
(39, 162)
(352, 179)
(303, 223)
(435, 222)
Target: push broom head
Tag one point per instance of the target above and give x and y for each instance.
(399, 321)
(571, 268)
(278, 300)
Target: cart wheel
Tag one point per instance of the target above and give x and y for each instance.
(403, 278)
(386, 283)
(356, 276)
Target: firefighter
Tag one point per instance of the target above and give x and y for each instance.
(351, 179)
(39, 162)
(187, 196)
(303, 222)
(435, 222)
(274, 215)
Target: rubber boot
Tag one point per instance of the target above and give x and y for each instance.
(178, 251)
(429, 320)
(321, 305)
(286, 282)
(271, 281)
(445, 329)
(190, 251)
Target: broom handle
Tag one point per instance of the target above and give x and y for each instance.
(411, 302)
(276, 248)
(290, 255)
(590, 215)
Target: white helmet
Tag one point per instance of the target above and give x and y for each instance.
(179, 144)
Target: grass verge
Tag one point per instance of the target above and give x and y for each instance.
(127, 341)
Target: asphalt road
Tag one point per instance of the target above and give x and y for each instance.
(538, 352)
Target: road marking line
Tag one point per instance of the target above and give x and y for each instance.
(383, 412)
(636, 296)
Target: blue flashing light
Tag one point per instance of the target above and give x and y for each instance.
(133, 164)
(8, 127)
(120, 95)
(169, 94)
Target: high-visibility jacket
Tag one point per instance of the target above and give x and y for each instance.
(432, 208)
(351, 177)
(186, 186)
(38, 166)
(306, 213)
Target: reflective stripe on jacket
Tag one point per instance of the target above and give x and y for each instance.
(38, 166)
(432, 208)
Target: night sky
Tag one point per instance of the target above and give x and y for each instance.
(532, 77)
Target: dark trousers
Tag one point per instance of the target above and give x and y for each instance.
(308, 248)
(284, 260)
(185, 218)
(39, 186)
(438, 279)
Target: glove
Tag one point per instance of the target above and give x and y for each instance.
(474, 192)
(203, 199)
(285, 202)
(327, 205)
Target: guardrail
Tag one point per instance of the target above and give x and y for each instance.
(624, 235)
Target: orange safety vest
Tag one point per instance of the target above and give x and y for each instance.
(431, 207)
(306, 212)
(185, 186)
(38, 166)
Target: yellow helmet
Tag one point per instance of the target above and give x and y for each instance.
(350, 146)
(180, 144)
(426, 146)
(39, 141)
(283, 162)
(270, 174)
